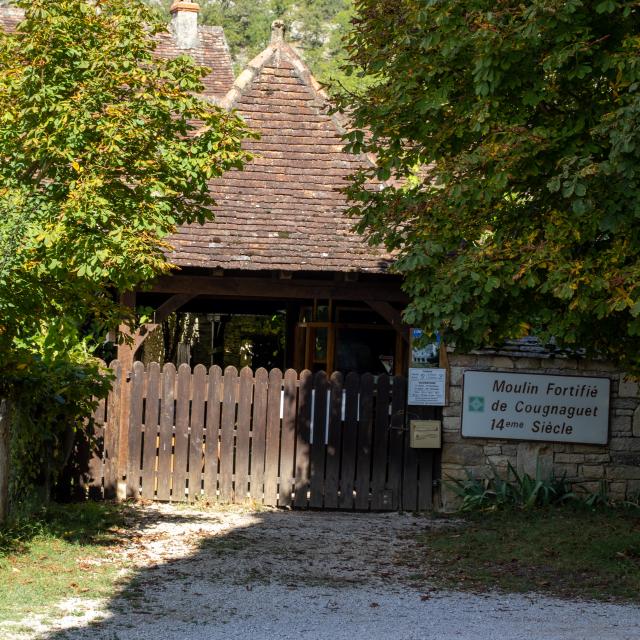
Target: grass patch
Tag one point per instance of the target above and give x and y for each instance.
(572, 552)
(56, 554)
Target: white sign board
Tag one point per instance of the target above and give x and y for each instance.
(524, 406)
(427, 387)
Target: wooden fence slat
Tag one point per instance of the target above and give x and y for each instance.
(349, 441)
(227, 435)
(151, 417)
(288, 440)
(303, 434)
(212, 430)
(365, 435)
(425, 479)
(243, 435)
(321, 386)
(199, 390)
(380, 445)
(111, 432)
(135, 429)
(272, 446)
(95, 469)
(181, 437)
(165, 445)
(258, 434)
(334, 443)
(396, 440)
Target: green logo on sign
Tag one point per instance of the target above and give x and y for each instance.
(476, 403)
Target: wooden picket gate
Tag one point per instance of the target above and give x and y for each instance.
(304, 441)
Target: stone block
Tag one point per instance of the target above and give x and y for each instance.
(591, 471)
(624, 403)
(623, 472)
(596, 365)
(617, 491)
(451, 424)
(633, 490)
(492, 450)
(563, 364)
(498, 362)
(624, 412)
(628, 387)
(597, 458)
(534, 455)
(636, 423)
(588, 448)
(510, 449)
(624, 444)
(449, 498)
(582, 488)
(499, 461)
(568, 458)
(466, 455)
(625, 458)
(455, 395)
(528, 363)
(621, 424)
(566, 470)
(453, 410)
(463, 360)
(455, 376)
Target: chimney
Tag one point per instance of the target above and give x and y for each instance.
(277, 31)
(184, 24)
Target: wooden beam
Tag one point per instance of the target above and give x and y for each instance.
(254, 287)
(160, 314)
(125, 357)
(392, 316)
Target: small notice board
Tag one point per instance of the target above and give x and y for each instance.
(427, 387)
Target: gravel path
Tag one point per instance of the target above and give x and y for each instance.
(209, 575)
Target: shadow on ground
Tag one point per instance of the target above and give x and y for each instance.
(209, 575)
(228, 574)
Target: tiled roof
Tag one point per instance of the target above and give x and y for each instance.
(284, 210)
(10, 17)
(213, 51)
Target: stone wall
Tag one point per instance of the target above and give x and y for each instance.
(587, 466)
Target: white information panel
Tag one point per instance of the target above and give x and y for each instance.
(427, 387)
(524, 406)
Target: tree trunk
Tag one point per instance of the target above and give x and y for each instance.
(4, 459)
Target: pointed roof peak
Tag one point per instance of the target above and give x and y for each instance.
(278, 31)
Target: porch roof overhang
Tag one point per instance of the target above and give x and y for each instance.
(250, 286)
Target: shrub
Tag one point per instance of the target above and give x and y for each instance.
(515, 490)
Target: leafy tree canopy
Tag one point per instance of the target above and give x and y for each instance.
(104, 149)
(512, 133)
(101, 158)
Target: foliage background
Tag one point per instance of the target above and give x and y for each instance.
(315, 27)
(510, 133)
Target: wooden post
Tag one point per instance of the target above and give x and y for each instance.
(125, 357)
(5, 452)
